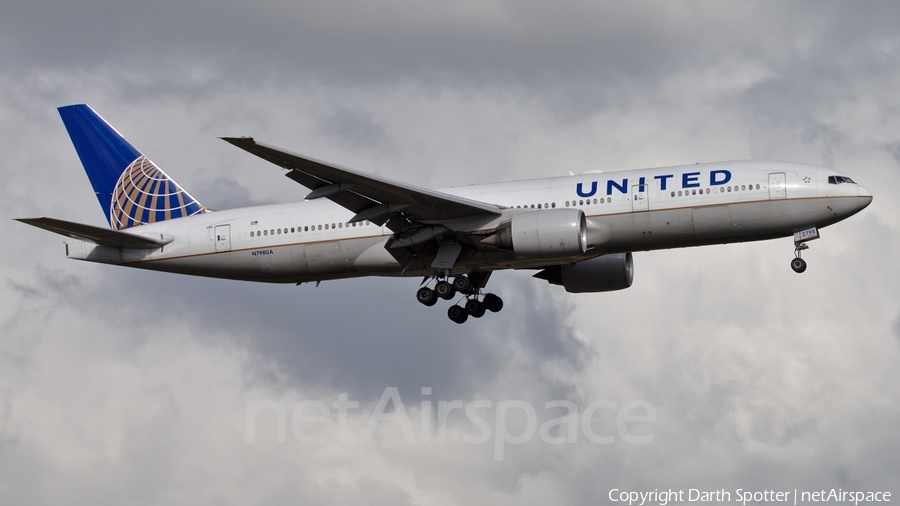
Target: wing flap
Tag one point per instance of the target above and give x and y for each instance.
(97, 235)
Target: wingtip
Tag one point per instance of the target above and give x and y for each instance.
(239, 141)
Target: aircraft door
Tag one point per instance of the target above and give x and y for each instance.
(640, 197)
(777, 186)
(223, 238)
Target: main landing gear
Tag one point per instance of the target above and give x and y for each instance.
(475, 304)
(800, 240)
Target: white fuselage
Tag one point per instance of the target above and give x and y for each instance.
(626, 210)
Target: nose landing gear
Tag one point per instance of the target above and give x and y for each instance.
(800, 240)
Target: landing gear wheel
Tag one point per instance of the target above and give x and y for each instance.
(457, 314)
(426, 296)
(475, 308)
(444, 290)
(493, 303)
(462, 284)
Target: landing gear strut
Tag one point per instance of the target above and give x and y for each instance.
(799, 264)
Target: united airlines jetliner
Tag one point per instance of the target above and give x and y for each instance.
(576, 231)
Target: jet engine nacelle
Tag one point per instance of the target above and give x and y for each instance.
(550, 233)
(600, 274)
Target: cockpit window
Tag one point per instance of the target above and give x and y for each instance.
(840, 179)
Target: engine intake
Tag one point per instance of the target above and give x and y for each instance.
(552, 233)
(600, 274)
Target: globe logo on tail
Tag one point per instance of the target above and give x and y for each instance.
(146, 194)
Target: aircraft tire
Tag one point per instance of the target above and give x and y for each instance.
(444, 290)
(798, 264)
(493, 303)
(426, 296)
(475, 308)
(462, 284)
(457, 314)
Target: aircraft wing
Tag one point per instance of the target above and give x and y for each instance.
(97, 235)
(371, 197)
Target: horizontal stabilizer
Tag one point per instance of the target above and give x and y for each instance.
(97, 235)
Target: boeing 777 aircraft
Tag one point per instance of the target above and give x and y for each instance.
(577, 231)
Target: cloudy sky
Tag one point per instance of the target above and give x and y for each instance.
(120, 386)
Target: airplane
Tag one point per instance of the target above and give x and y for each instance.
(576, 231)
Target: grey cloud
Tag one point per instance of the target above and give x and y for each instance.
(896, 326)
(224, 192)
(318, 335)
(357, 42)
(356, 127)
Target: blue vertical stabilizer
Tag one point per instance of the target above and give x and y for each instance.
(131, 189)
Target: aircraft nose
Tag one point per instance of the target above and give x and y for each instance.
(864, 196)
